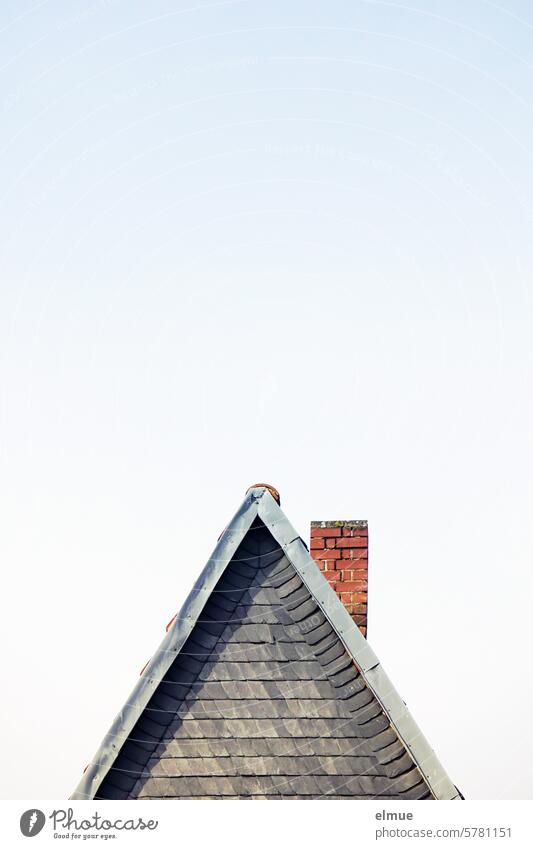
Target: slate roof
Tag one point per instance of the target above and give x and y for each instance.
(264, 688)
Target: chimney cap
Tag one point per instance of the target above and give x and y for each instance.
(272, 490)
(341, 523)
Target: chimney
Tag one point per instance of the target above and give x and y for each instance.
(341, 552)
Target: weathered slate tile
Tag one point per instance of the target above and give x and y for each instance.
(385, 738)
(121, 779)
(109, 791)
(359, 700)
(400, 765)
(275, 566)
(148, 728)
(219, 601)
(162, 701)
(316, 629)
(249, 633)
(245, 567)
(340, 677)
(133, 753)
(204, 638)
(334, 652)
(293, 592)
(390, 753)
(367, 713)
(260, 595)
(302, 607)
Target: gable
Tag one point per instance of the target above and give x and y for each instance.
(263, 701)
(264, 687)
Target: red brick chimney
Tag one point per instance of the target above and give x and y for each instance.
(341, 552)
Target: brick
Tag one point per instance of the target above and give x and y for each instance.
(354, 553)
(346, 586)
(331, 575)
(355, 610)
(359, 586)
(352, 607)
(352, 542)
(328, 566)
(341, 553)
(359, 565)
(351, 587)
(325, 532)
(353, 575)
(327, 554)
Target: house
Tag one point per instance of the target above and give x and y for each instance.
(265, 686)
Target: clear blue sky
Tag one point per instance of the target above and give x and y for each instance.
(282, 241)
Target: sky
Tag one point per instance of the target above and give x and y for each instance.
(272, 241)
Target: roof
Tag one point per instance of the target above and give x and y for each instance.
(264, 687)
